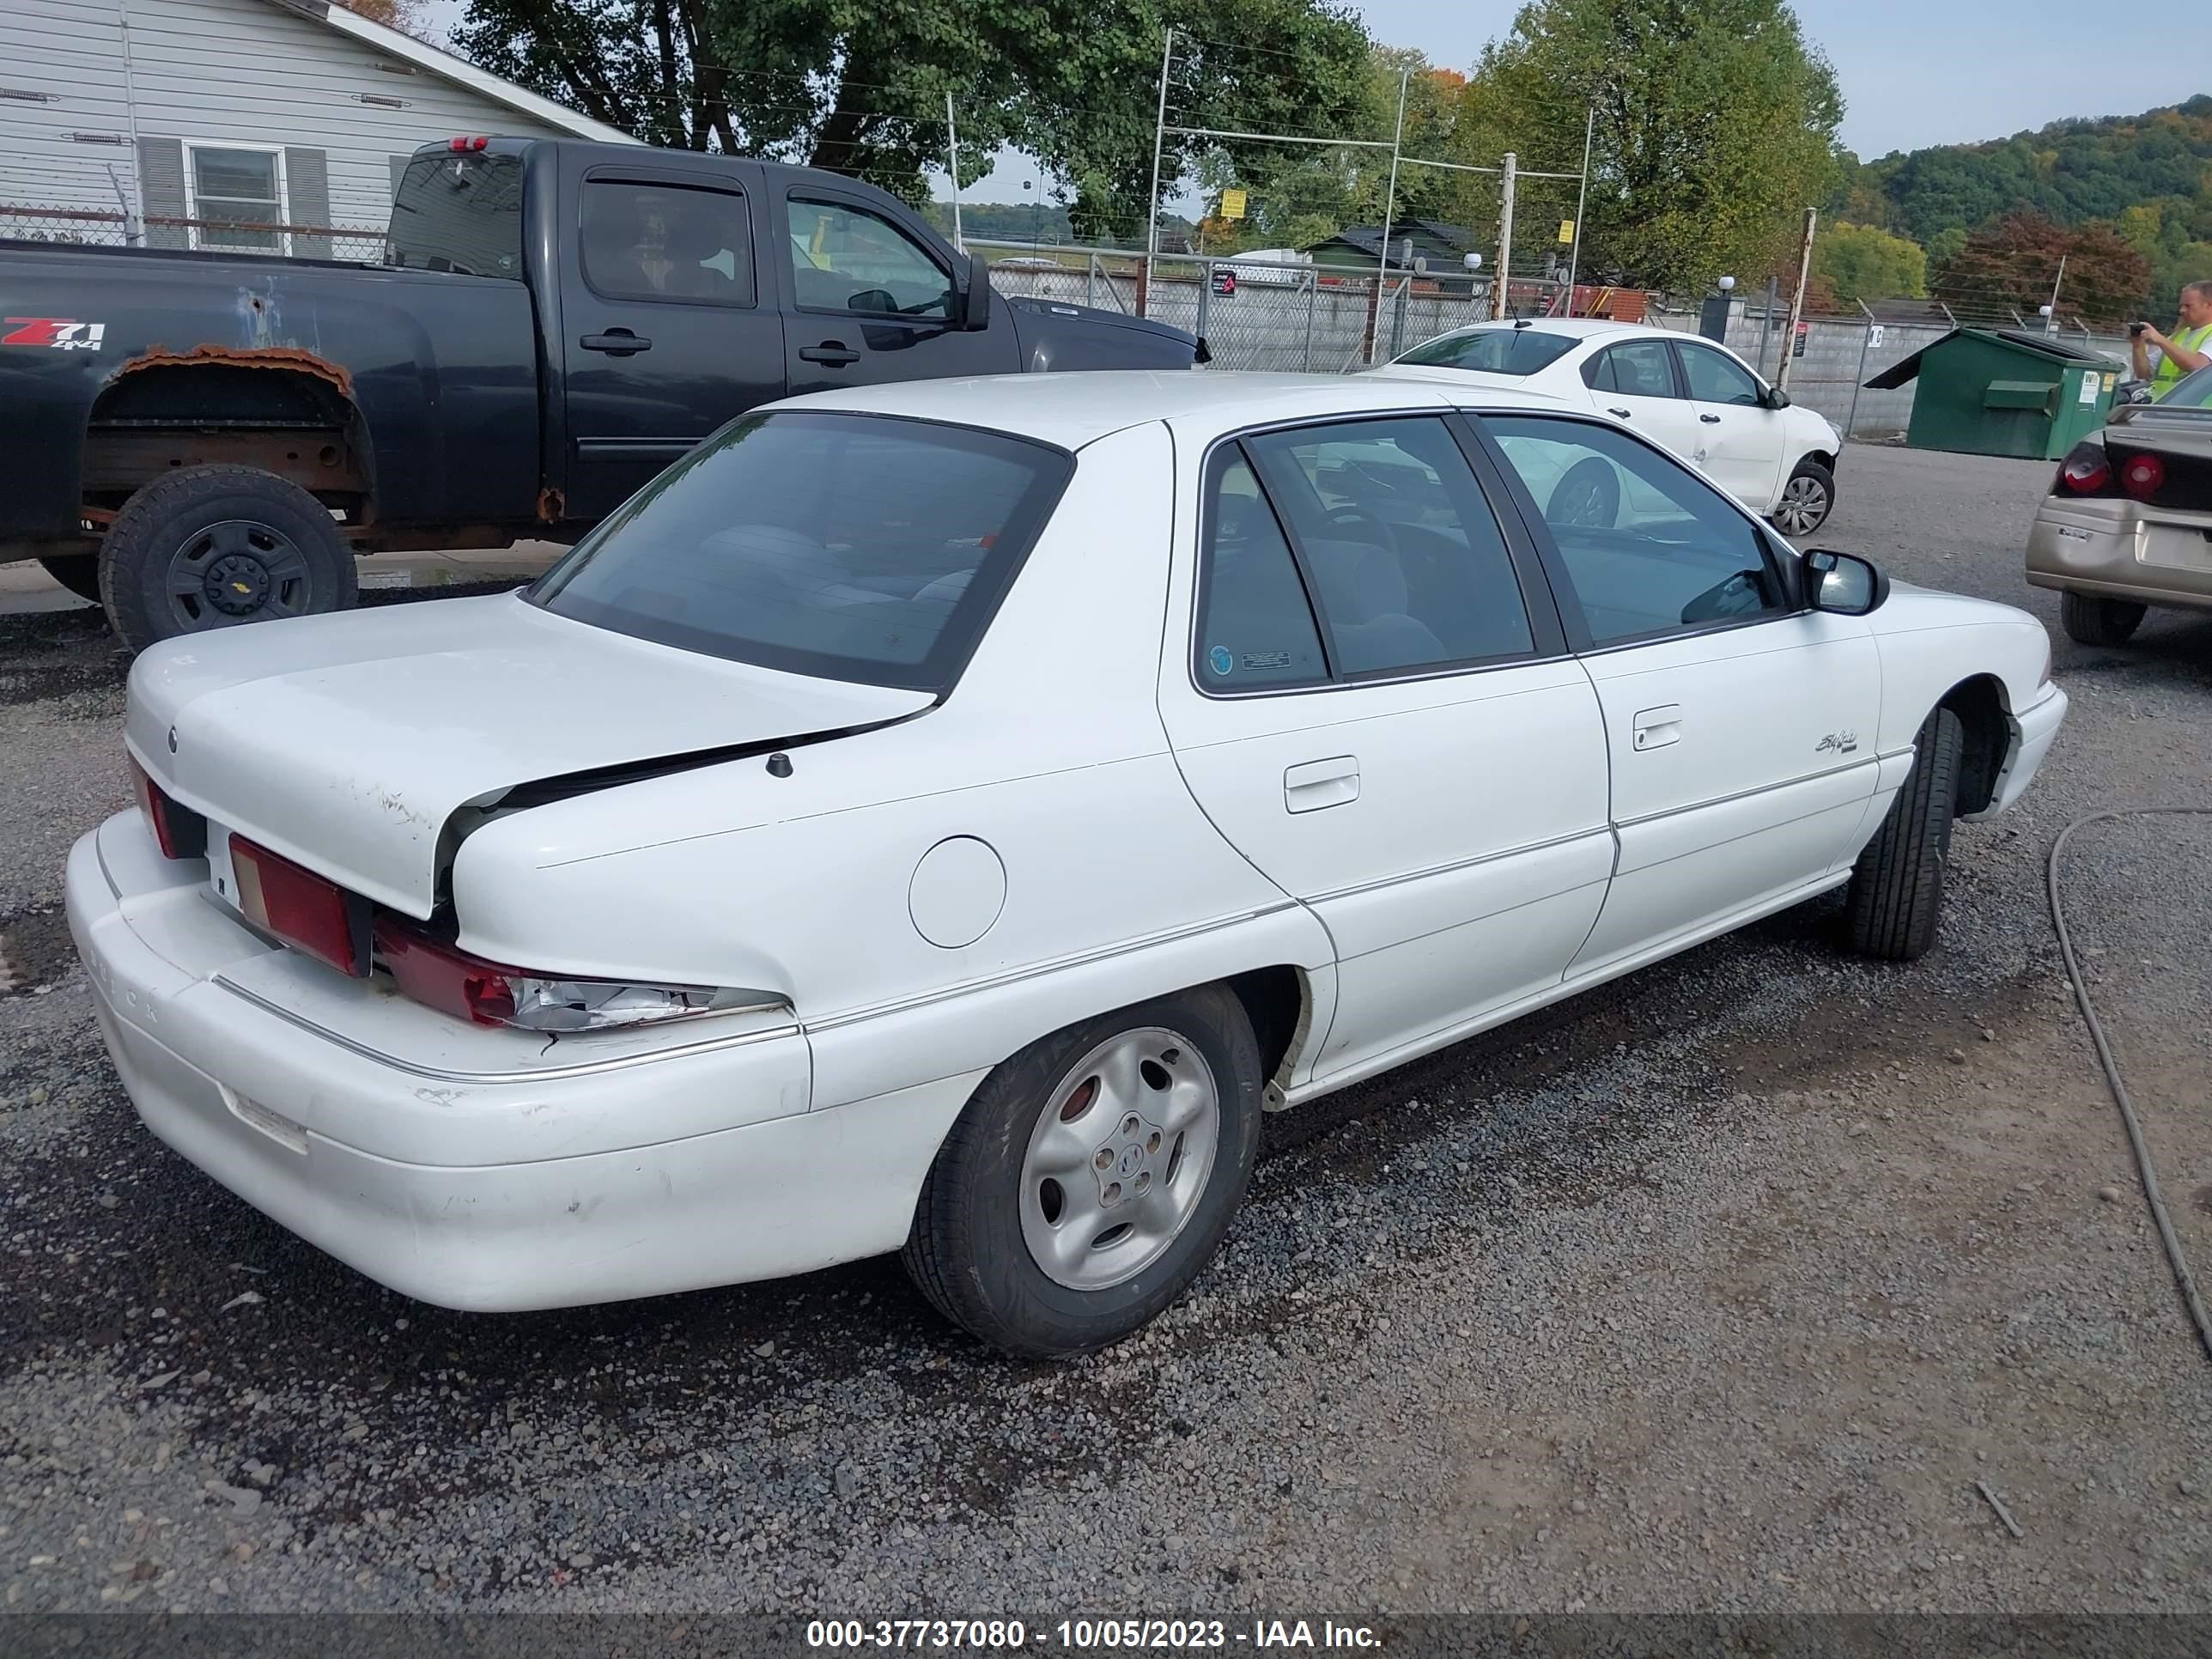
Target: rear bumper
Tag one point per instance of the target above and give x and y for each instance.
(2104, 548)
(251, 1096)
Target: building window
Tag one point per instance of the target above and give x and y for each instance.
(231, 190)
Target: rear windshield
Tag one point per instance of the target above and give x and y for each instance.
(1493, 350)
(850, 547)
(2191, 390)
(459, 212)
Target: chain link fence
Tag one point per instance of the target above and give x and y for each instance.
(112, 228)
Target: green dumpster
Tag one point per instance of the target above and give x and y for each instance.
(2003, 391)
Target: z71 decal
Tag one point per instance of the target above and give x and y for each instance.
(60, 332)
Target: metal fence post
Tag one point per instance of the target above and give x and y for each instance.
(1205, 297)
(1504, 278)
(1313, 304)
(1866, 339)
(1398, 312)
(1767, 319)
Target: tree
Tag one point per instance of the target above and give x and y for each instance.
(406, 15)
(1862, 262)
(1715, 127)
(2012, 264)
(862, 88)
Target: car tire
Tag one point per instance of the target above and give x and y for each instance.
(213, 546)
(976, 1250)
(1896, 895)
(1588, 496)
(2091, 619)
(1807, 500)
(77, 572)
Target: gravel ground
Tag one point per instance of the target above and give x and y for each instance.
(1719, 1289)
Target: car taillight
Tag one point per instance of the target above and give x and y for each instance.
(178, 831)
(441, 976)
(2142, 475)
(2085, 472)
(302, 908)
(463, 146)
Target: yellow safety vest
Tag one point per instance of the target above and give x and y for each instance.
(2168, 371)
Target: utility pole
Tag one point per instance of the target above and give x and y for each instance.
(1389, 209)
(1797, 300)
(2055, 281)
(1152, 201)
(1504, 281)
(1581, 199)
(952, 144)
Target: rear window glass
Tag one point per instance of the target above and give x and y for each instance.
(1493, 350)
(459, 212)
(850, 547)
(2191, 390)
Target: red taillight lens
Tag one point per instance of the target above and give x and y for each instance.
(2142, 475)
(2085, 472)
(178, 831)
(438, 977)
(301, 908)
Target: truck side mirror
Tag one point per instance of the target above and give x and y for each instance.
(973, 297)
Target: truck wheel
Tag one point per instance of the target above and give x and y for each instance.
(1807, 500)
(1093, 1175)
(2090, 620)
(1896, 894)
(77, 572)
(214, 546)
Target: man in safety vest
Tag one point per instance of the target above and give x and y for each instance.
(2189, 347)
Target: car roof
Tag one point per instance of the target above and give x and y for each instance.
(1074, 408)
(1579, 328)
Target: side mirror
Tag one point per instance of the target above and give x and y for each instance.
(1844, 583)
(1776, 397)
(973, 297)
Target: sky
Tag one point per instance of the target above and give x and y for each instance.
(1913, 72)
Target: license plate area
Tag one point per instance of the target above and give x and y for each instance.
(2180, 547)
(223, 879)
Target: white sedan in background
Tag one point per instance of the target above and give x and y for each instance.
(1684, 393)
(943, 817)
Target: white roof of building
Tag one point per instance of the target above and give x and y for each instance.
(1072, 410)
(396, 44)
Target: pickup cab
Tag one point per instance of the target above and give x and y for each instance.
(199, 440)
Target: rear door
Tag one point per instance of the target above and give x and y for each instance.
(1741, 727)
(1368, 694)
(868, 299)
(1741, 439)
(665, 335)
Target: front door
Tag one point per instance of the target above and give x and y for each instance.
(1743, 437)
(1741, 727)
(664, 335)
(1636, 381)
(870, 302)
(1368, 695)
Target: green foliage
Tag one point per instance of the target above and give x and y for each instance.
(1862, 262)
(1715, 127)
(861, 89)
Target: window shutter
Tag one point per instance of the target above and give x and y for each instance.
(308, 200)
(162, 191)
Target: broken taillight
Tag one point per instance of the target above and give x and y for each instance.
(178, 831)
(306, 910)
(2085, 472)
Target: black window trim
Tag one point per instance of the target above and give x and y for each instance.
(547, 585)
(1675, 376)
(1683, 348)
(669, 178)
(823, 196)
(1538, 603)
(1579, 639)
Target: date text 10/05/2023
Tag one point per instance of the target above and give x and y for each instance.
(1087, 1635)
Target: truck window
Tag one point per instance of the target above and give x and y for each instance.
(459, 212)
(847, 258)
(642, 241)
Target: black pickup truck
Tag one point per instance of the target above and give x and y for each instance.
(197, 440)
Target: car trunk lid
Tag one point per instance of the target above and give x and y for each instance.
(349, 744)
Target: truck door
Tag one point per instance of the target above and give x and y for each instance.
(870, 297)
(665, 333)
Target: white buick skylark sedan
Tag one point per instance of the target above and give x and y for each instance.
(944, 818)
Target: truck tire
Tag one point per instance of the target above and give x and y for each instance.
(214, 546)
(1896, 894)
(2089, 619)
(77, 572)
(1046, 1252)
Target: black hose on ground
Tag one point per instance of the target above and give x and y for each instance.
(2157, 1210)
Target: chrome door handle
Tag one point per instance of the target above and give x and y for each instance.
(1654, 728)
(1315, 784)
(1710, 420)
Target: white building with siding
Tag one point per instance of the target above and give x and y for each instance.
(243, 125)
